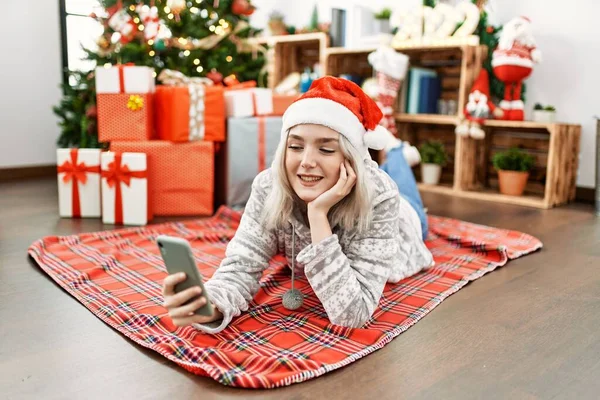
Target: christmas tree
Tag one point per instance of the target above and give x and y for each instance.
(489, 36)
(205, 38)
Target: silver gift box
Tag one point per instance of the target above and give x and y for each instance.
(243, 150)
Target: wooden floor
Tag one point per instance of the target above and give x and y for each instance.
(529, 330)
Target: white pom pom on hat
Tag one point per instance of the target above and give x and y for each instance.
(377, 138)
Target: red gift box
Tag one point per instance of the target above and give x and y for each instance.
(180, 175)
(124, 116)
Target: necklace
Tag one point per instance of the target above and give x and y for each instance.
(293, 299)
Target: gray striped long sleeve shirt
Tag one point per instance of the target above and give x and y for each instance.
(347, 270)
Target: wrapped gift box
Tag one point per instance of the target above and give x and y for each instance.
(125, 117)
(78, 182)
(124, 97)
(124, 78)
(181, 175)
(251, 145)
(256, 102)
(125, 189)
(187, 113)
(282, 101)
(239, 103)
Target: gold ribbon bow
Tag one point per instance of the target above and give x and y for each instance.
(135, 102)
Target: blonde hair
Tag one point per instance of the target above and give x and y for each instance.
(352, 212)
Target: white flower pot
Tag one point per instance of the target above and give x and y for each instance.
(382, 26)
(431, 173)
(543, 116)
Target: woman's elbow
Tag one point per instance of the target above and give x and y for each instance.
(354, 317)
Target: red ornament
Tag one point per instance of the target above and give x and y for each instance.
(489, 29)
(91, 112)
(242, 7)
(215, 76)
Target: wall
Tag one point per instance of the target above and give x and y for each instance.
(30, 74)
(31, 66)
(567, 77)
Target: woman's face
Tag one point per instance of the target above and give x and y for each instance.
(312, 160)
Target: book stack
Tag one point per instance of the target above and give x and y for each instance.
(421, 92)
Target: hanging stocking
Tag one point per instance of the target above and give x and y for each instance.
(388, 93)
(390, 67)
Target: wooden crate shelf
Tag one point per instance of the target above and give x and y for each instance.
(439, 119)
(292, 53)
(469, 173)
(528, 201)
(555, 148)
(457, 66)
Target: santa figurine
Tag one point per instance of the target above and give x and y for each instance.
(479, 107)
(512, 62)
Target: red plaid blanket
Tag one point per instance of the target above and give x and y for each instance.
(118, 274)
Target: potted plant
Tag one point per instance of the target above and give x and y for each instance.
(433, 158)
(544, 114)
(513, 168)
(276, 24)
(382, 20)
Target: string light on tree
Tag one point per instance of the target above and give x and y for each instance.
(229, 58)
(170, 16)
(211, 28)
(186, 53)
(200, 69)
(151, 53)
(194, 10)
(132, 7)
(196, 61)
(204, 13)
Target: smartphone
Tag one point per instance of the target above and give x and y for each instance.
(177, 255)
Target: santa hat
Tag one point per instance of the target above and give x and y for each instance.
(341, 105)
(482, 83)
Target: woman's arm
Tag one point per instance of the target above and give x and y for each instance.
(236, 281)
(350, 284)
